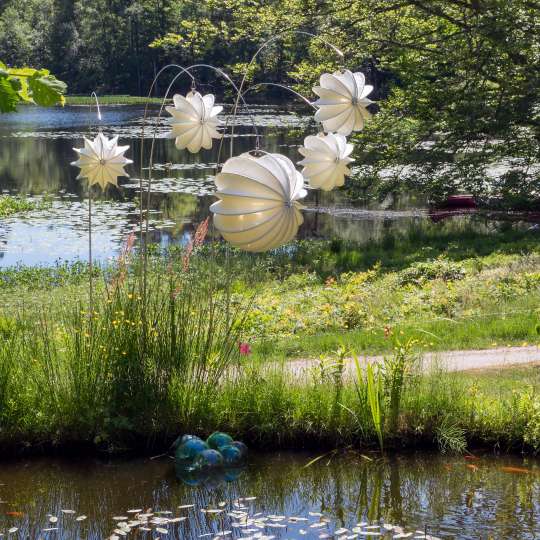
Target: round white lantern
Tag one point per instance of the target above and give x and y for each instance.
(342, 101)
(101, 161)
(325, 160)
(194, 121)
(258, 208)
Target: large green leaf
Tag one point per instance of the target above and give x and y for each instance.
(46, 90)
(8, 95)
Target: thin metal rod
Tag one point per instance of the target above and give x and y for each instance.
(236, 89)
(97, 105)
(284, 87)
(90, 264)
(254, 57)
(142, 242)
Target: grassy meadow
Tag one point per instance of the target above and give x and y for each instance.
(152, 358)
(112, 100)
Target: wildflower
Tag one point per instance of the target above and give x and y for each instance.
(245, 349)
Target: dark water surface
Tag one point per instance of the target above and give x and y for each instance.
(36, 148)
(450, 497)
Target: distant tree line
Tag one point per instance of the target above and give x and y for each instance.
(457, 80)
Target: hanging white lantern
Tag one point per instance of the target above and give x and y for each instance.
(194, 121)
(258, 208)
(342, 101)
(325, 160)
(102, 161)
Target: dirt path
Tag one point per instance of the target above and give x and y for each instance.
(451, 360)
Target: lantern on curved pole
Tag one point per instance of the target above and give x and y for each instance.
(194, 121)
(326, 160)
(342, 101)
(258, 207)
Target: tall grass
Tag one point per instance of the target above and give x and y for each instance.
(131, 367)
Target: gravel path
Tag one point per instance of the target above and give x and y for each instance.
(452, 360)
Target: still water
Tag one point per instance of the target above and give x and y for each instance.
(36, 148)
(276, 496)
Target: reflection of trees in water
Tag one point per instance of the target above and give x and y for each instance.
(35, 165)
(408, 491)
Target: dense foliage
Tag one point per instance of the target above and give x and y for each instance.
(28, 85)
(457, 80)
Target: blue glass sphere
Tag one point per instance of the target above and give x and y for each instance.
(219, 439)
(231, 455)
(241, 446)
(208, 459)
(189, 449)
(182, 439)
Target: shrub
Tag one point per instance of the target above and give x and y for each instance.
(440, 268)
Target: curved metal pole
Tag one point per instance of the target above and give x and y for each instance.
(90, 255)
(284, 87)
(152, 146)
(219, 71)
(93, 94)
(259, 50)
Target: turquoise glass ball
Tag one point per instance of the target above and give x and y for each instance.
(182, 439)
(231, 454)
(219, 439)
(241, 446)
(208, 459)
(189, 449)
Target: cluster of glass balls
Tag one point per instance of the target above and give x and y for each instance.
(219, 450)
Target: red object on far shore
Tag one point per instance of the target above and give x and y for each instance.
(459, 201)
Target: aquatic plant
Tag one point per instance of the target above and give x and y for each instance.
(12, 204)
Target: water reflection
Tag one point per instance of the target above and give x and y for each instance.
(444, 494)
(37, 147)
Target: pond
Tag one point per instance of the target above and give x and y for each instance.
(276, 496)
(36, 150)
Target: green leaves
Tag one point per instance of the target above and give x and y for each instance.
(46, 89)
(8, 95)
(28, 85)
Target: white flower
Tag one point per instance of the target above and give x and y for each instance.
(342, 101)
(102, 161)
(258, 208)
(194, 121)
(325, 160)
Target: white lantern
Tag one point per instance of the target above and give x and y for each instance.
(101, 161)
(342, 101)
(258, 208)
(325, 160)
(194, 121)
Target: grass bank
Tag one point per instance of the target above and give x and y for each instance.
(136, 368)
(463, 289)
(112, 100)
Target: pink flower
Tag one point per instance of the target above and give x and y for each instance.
(245, 349)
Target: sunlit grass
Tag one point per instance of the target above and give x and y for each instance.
(112, 100)
(131, 376)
